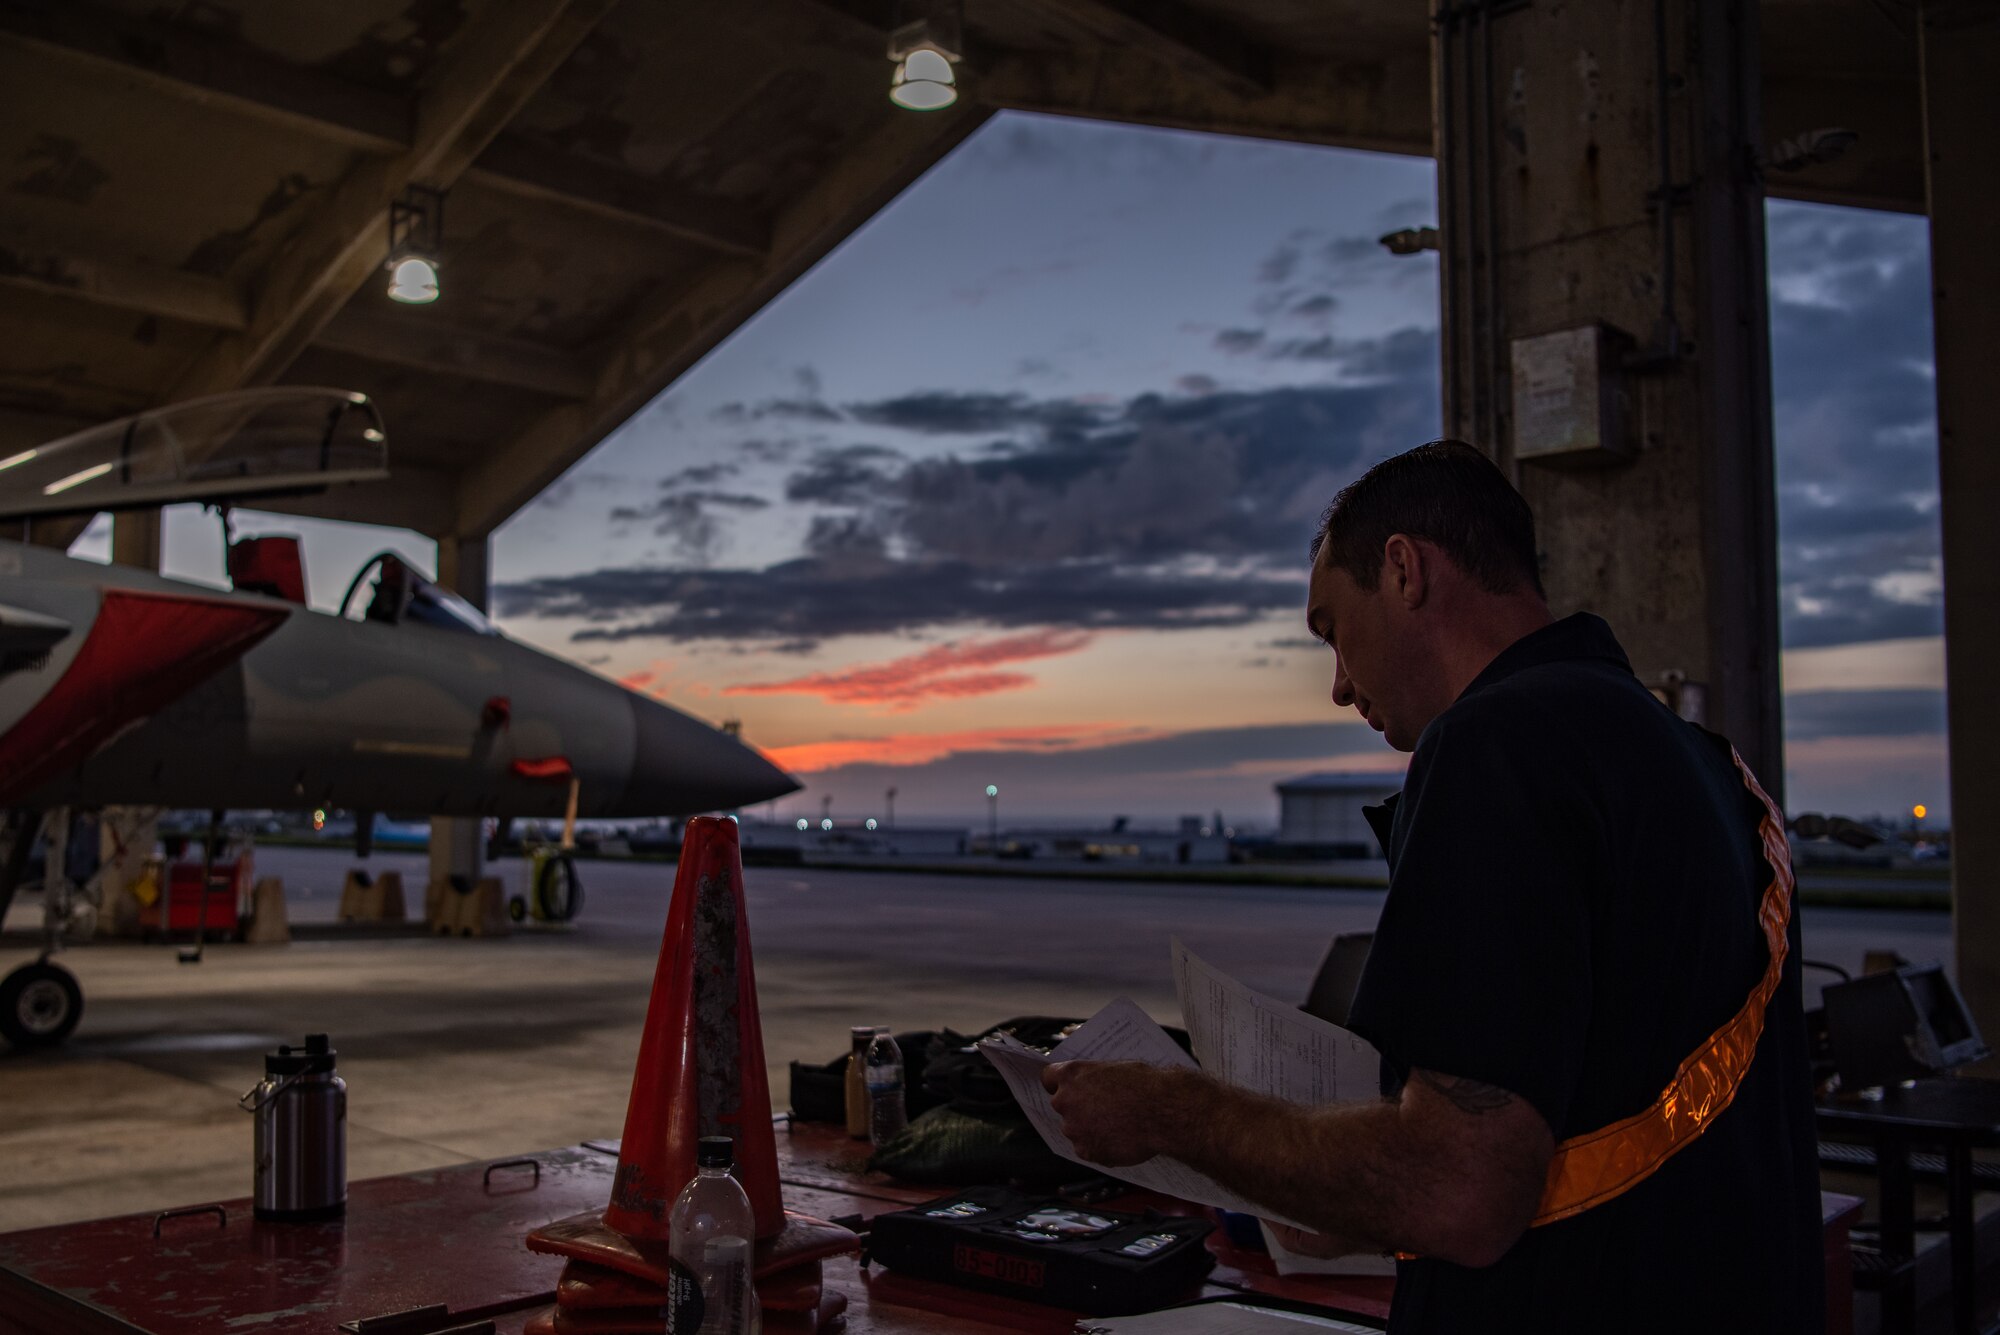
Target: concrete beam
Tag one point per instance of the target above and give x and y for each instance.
(415, 497)
(1190, 43)
(207, 70)
(211, 71)
(520, 166)
(1961, 51)
(1383, 105)
(1885, 167)
(676, 329)
(420, 339)
(480, 83)
(146, 289)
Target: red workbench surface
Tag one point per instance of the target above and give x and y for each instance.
(454, 1236)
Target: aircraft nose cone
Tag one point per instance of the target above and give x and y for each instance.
(681, 766)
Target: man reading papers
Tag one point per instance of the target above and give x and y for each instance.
(1584, 985)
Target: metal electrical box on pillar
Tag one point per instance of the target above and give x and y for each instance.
(1597, 173)
(1572, 403)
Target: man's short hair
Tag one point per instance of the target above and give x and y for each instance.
(1447, 493)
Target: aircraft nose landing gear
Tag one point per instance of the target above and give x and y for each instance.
(40, 1004)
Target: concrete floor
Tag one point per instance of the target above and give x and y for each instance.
(459, 1050)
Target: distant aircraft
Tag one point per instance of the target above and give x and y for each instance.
(122, 687)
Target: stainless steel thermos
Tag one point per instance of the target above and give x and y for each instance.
(301, 1111)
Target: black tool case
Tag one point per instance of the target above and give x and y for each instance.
(1000, 1240)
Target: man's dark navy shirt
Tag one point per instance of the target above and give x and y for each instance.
(1575, 874)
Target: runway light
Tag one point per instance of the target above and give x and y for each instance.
(15, 460)
(76, 479)
(1920, 811)
(992, 791)
(871, 822)
(825, 824)
(802, 823)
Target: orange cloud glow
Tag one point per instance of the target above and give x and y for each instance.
(917, 748)
(903, 683)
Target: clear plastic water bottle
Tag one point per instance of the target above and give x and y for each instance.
(886, 1114)
(710, 1240)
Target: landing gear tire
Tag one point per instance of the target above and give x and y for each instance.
(558, 892)
(40, 1004)
(517, 908)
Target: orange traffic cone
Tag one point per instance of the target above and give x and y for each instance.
(701, 1059)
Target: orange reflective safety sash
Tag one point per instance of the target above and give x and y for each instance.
(1591, 1169)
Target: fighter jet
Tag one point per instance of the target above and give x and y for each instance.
(122, 687)
(127, 688)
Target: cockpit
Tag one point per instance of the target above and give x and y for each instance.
(399, 593)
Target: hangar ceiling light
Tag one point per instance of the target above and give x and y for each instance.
(924, 51)
(416, 238)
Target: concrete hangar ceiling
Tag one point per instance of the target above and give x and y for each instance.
(195, 194)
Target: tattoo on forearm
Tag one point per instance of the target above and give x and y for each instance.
(1468, 1096)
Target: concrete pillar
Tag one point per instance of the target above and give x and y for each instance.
(135, 539)
(1595, 168)
(464, 568)
(1960, 52)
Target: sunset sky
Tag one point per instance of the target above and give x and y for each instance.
(1015, 488)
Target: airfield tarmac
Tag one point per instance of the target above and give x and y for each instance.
(457, 1050)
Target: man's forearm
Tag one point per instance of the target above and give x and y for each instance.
(1359, 1172)
(1333, 1169)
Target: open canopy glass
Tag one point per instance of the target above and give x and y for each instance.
(255, 442)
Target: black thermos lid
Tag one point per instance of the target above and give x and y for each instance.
(316, 1056)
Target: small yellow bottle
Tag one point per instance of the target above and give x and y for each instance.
(858, 1109)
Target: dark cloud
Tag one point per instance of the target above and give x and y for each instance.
(688, 520)
(808, 404)
(699, 475)
(1161, 511)
(1855, 416)
(817, 598)
(1318, 349)
(1281, 263)
(1196, 383)
(1814, 715)
(849, 475)
(770, 451)
(948, 413)
(1316, 307)
(1236, 341)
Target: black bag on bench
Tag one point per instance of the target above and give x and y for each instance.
(1040, 1248)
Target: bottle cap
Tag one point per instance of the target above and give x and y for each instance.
(716, 1152)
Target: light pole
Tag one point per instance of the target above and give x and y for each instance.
(993, 819)
(890, 798)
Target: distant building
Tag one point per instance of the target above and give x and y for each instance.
(1319, 815)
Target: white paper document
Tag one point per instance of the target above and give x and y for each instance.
(1221, 1318)
(1240, 1036)
(1119, 1032)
